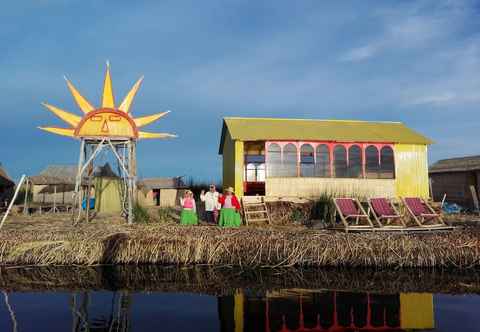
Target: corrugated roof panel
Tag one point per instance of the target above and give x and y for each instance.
(322, 130)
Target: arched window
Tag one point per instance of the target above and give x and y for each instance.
(372, 162)
(289, 160)
(274, 160)
(355, 162)
(387, 166)
(251, 173)
(340, 161)
(261, 173)
(322, 162)
(307, 160)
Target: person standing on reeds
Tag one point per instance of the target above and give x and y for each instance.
(210, 198)
(189, 209)
(230, 212)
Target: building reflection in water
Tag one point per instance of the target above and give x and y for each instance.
(333, 311)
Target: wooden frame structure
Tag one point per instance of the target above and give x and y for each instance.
(346, 217)
(384, 221)
(124, 151)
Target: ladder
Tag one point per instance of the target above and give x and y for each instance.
(255, 209)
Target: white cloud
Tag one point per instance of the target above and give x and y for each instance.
(438, 99)
(359, 53)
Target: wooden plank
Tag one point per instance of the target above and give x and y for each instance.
(475, 198)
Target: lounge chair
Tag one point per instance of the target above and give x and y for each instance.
(422, 213)
(385, 213)
(352, 214)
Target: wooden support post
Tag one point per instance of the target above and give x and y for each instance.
(77, 197)
(130, 184)
(54, 198)
(25, 200)
(475, 199)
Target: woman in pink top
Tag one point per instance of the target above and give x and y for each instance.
(189, 209)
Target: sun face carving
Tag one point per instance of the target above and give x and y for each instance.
(106, 121)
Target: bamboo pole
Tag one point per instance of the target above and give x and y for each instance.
(13, 200)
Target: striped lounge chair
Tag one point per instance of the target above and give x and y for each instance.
(352, 214)
(385, 213)
(422, 213)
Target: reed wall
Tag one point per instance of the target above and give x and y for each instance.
(316, 187)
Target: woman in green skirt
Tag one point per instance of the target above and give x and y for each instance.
(230, 212)
(189, 209)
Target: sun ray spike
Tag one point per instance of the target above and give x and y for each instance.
(81, 101)
(70, 132)
(108, 100)
(146, 135)
(72, 119)
(127, 101)
(145, 120)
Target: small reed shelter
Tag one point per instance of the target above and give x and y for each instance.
(308, 158)
(458, 178)
(56, 183)
(7, 186)
(162, 192)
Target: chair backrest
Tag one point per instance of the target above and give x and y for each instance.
(416, 205)
(382, 207)
(347, 206)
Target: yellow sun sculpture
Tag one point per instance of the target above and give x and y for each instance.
(106, 121)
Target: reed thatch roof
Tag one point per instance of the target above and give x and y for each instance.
(161, 183)
(462, 164)
(55, 175)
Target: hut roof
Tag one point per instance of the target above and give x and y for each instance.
(56, 174)
(255, 129)
(66, 174)
(461, 164)
(161, 183)
(4, 177)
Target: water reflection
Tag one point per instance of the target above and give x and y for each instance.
(304, 310)
(117, 320)
(160, 299)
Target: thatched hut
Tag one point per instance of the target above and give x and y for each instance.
(455, 177)
(7, 186)
(56, 183)
(307, 158)
(163, 192)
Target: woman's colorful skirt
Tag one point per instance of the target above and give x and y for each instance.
(229, 218)
(188, 217)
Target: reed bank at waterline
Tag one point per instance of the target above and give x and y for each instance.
(56, 243)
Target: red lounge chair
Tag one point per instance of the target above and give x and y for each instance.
(422, 213)
(385, 213)
(352, 214)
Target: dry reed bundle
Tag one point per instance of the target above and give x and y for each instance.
(286, 213)
(55, 243)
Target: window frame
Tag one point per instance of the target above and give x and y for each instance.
(331, 162)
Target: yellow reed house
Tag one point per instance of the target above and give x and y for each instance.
(307, 158)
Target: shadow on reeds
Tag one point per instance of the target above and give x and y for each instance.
(225, 281)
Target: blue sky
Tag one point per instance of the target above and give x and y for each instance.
(411, 61)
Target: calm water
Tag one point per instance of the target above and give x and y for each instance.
(239, 309)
